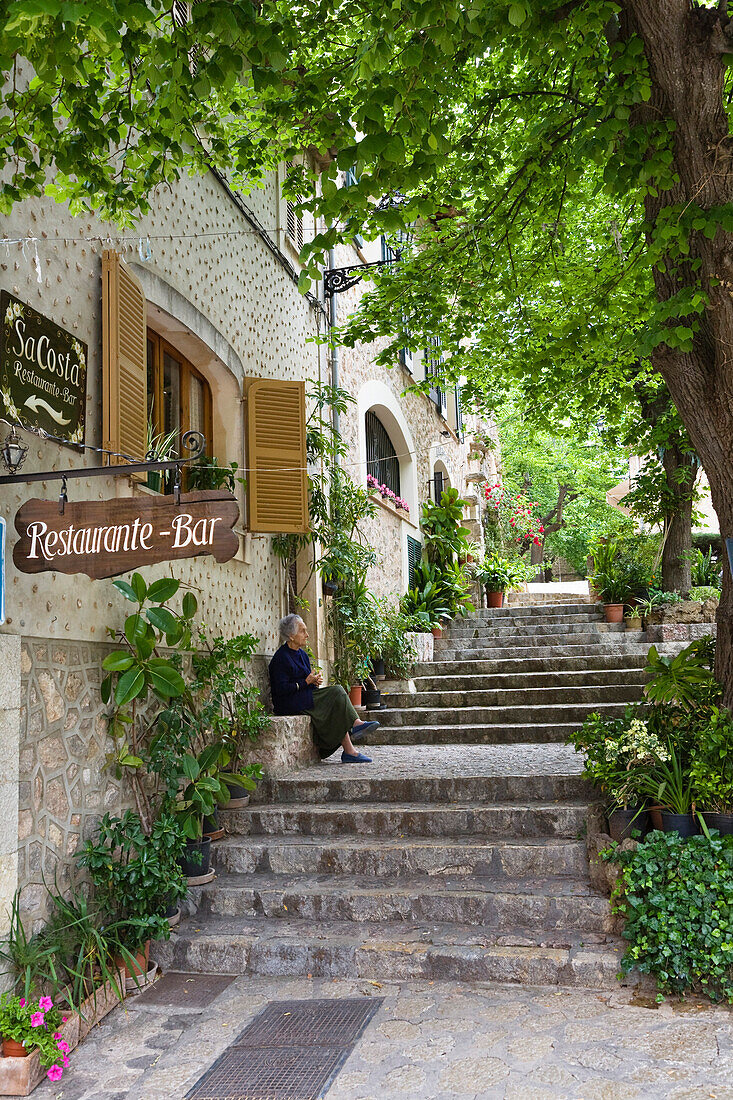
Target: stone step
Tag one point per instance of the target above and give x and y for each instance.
(509, 681)
(393, 951)
(631, 641)
(540, 662)
(383, 856)
(551, 615)
(537, 611)
(305, 787)
(511, 630)
(548, 713)
(524, 733)
(498, 821)
(535, 640)
(571, 694)
(539, 904)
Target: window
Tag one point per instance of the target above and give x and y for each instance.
(277, 486)
(382, 461)
(293, 220)
(433, 360)
(350, 180)
(179, 398)
(414, 553)
(438, 485)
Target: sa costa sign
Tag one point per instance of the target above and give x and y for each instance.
(108, 537)
(43, 371)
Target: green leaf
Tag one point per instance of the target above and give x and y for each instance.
(136, 628)
(163, 590)
(167, 681)
(118, 661)
(126, 590)
(162, 619)
(139, 587)
(129, 686)
(517, 14)
(190, 767)
(189, 605)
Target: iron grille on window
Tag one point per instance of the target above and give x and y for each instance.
(438, 486)
(433, 360)
(414, 553)
(293, 221)
(382, 461)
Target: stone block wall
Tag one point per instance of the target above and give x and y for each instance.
(64, 787)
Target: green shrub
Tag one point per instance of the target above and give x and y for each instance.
(704, 592)
(676, 895)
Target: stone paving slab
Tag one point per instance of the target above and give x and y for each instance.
(459, 761)
(432, 1041)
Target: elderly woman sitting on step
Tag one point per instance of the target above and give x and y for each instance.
(297, 690)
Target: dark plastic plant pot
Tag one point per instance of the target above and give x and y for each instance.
(684, 824)
(494, 599)
(238, 795)
(622, 823)
(372, 698)
(722, 822)
(171, 905)
(378, 669)
(196, 860)
(330, 588)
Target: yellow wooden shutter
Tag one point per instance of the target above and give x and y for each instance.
(277, 485)
(124, 360)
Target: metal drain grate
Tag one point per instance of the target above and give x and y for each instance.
(276, 1073)
(185, 990)
(291, 1051)
(326, 1022)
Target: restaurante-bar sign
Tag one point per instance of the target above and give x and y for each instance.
(104, 538)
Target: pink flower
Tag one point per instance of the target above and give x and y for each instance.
(55, 1072)
(37, 1019)
(22, 1002)
(57, 1034)
(63, 1046)
(45, 1004)
(66, 1062)
(64, 1019)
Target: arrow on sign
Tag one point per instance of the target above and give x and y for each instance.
(35, 403)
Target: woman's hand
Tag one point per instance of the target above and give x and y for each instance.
(314, 678)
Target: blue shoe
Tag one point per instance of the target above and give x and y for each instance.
(357, 732)
(359, 758)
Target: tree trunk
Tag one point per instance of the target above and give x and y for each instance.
(684, 47)
(537, 553)
(675, 569)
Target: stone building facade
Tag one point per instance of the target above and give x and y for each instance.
(219, 274)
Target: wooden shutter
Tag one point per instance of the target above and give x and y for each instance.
(124, 360)
(277, 485)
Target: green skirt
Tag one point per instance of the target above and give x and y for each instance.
(332, 715)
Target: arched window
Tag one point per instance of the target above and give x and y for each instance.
(382, 460)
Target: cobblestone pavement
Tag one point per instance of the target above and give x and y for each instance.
(459, 761)
(432, 1041)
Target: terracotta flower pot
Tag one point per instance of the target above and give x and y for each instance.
(437, 631)
(139, 967)
(355, 694)
(13, 1049)
(494, 599)
(614, 612)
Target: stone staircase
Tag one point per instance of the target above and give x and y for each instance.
(459, 852)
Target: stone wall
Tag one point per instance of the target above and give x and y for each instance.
(10, 700)
(64, 787)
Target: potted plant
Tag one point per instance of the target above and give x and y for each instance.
(632, 619)
(668, 785)
(711, 770)
(614, 590)
(206, 473)
(134, 876)
(161, 448)
(27, 1025)
(498, 574)
(646, 607)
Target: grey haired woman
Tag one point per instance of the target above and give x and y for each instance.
(296, 689)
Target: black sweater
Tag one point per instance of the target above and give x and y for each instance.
(288, 671)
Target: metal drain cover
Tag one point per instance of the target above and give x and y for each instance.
(327, 1022)
(183, 990)
(275, 1073)
(291, 1051)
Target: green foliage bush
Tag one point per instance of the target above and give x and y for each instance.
(676, 895)
(704, 592)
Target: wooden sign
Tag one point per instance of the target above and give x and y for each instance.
(43, 372)
(104, 538)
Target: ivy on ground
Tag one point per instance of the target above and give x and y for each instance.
(676, 895)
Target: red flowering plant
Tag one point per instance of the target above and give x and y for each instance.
(515, 511)
(36, 1024)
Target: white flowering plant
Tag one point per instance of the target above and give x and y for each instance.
(619, 754)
